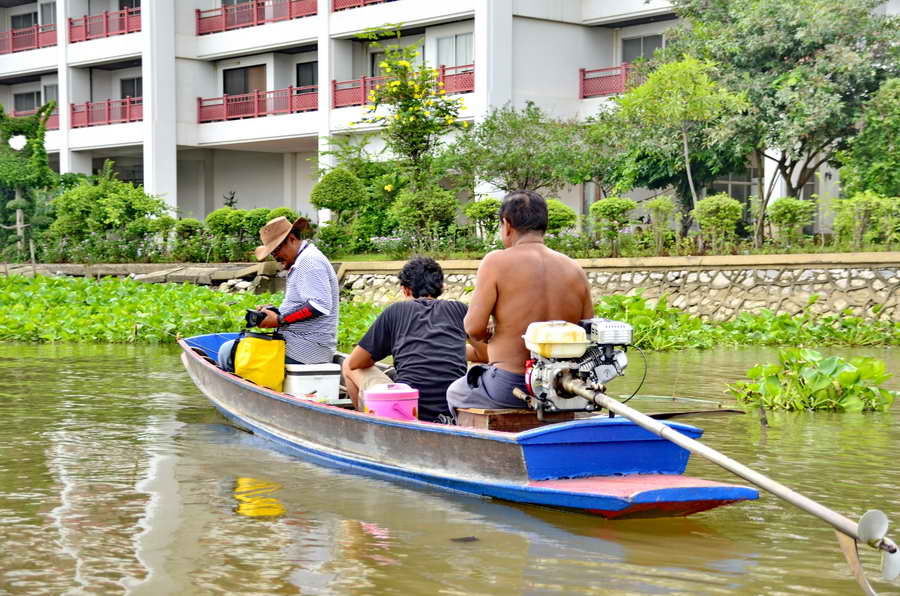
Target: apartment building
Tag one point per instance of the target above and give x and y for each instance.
(199, 98)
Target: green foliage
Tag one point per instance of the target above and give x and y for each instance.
(254, 220)
(340, 191)
(805, 380)
(287, 212)
(484, 214)
(791, 215)
(418, 112)
(660, 210)
(27, 167)
(221, 223)
(560, 217)
(355, 320)
(519, 150)
(717, 216)
(872, 160)
(657, 327)
(867, 215)
(332, 239)
(426, 212)
(611, 215)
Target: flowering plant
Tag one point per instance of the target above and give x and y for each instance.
(418, 110)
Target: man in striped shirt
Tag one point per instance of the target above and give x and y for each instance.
(308, 315)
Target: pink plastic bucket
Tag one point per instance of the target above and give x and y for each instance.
(395, 400)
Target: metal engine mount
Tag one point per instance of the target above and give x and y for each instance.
(592, 351)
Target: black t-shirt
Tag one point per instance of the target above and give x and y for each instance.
(428, 342)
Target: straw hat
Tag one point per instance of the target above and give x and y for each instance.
(272, 234)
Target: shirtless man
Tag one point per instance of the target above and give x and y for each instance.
(524, 283)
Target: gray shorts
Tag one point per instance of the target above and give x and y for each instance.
(492, 390)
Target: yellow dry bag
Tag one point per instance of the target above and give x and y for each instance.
(259, 357)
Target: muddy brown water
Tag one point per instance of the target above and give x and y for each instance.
(116, 476)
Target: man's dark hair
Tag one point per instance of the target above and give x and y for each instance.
(525, 210)
(423, 276)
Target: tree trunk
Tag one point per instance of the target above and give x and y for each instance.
(687, 166)
(20, 223)
(762, 201)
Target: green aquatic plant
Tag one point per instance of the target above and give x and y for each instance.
(657, 327)
(806, 380)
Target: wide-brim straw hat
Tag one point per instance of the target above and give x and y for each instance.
(272, 234)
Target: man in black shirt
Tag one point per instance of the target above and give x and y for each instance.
(425, 336)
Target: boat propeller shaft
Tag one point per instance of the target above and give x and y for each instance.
(871, 529)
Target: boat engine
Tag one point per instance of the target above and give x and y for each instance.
(592, 351)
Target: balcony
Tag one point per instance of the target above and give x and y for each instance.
(108, 24)
(30, 38)
(456, 79)
(601, 82)
(252, 14)
(337, 5)
(52, 121)
(110, 111)
(258, 104)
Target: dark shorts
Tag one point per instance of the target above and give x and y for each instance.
(489, 390)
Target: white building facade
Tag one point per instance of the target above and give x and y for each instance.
(197, 99)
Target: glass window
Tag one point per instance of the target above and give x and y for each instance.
(244, 80)
(637, 48)
(307, 74)
(131, 87)
(51, 93)
(23, 102)
(23, 21)
(455, 50)
(232, 2)
(48, 13)
(445, 50)
(464, 49)
(123, 4)
(375, 58)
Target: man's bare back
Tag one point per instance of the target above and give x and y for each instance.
(524, 283)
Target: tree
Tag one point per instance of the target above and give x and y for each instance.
(612, 215)
(597, 149)
(718, 215)
(807, 69)
(23, 161)
(418, 111)
(872, 160)
(515, 149)
(341, 191)
(677, 100)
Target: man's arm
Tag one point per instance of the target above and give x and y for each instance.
(360, 358)
(483, 300)
(476, 351)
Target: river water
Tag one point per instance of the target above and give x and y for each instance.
(116, 476)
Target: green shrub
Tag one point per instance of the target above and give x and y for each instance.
(287, 212)
(805, 380)
(340, 191)
(220, 222)
(188, 227)
(660, 210)
(611, 216)
(791, 215)
(427, 211)
(718, 215)
(332, 239)
(867, 216)
(484, 214)
(560, 217)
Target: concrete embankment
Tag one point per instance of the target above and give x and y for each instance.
(715, 288)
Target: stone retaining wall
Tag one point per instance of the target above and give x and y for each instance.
(715, 288)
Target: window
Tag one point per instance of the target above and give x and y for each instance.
(23, 21)
(455, 50)
(244, 80)
(307, 74)
(51, 93)
(23, 102)
(48, 13)
(638, 48)
(131, 87)
(123, 4)
(740, 186)
(232, 2)
(375, 58)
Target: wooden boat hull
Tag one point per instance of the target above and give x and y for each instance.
(603, 466)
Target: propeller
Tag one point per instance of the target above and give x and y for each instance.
(873, 526)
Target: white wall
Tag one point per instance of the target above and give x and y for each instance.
(606, 11)
(257, 178)
(551, 78)
(567, 11)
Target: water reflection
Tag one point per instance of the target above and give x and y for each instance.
(116, 476)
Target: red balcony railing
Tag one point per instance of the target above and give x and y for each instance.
(258, 104)
(107, 24)
(30, 38)
(251, 14)
(337, 5)
(456, 79)
(52, 121)
(605, 81)
(110, 111)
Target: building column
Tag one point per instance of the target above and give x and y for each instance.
(326, 56)
(70, 162)
(160, 118)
